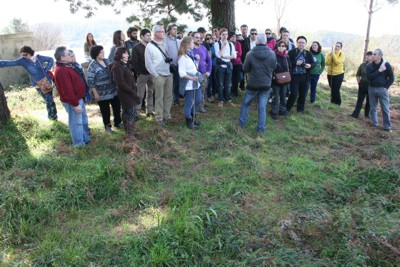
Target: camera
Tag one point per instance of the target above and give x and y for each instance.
(168, 60)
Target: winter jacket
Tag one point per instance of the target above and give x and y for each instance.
(126, 84)
(380, 79)
(260, 64)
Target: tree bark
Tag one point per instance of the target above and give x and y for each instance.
(223, 14)
(370, 12)
(4, 111)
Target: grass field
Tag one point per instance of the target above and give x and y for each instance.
(319, 189)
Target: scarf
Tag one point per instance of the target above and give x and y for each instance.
(191, 55)
(314, 52)
(281, 54)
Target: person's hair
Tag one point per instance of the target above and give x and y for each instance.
(268, 29)
(90, 43)
(222, 30)
(143, 32)
(341, 45)
(95, 51)
(117, 38)
(284, 31)
(157, 28)
(253, 30)
(201, 30)
(319, 46)
(27, 49)
(60, 51)
(208, 35)
(282, 42)
(301, 37)
(243, 26)
(261, 38)
(119, 52)
(193, 33)
(130, 30)
(379, 51)
(369, 53)
(230, 34)
(183, 47)
(170, 26)
(189, 33)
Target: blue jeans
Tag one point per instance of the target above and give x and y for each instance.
(224, 76)
(78, 124)
(313, 86)
(279, 101)
(193, 99)
(50, 105)
(381, 94)
(262, 108)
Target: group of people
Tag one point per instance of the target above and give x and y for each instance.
(153, 70)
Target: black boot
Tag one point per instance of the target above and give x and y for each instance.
(190, 124)
(196, 122)
(130, 126)
(51, 110)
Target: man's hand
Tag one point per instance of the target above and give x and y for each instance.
(382, 68)
(78, 109)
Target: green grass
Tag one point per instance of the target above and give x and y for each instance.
(319, 189)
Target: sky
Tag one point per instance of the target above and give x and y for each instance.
(348, 16)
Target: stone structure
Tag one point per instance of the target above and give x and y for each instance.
(10, 44)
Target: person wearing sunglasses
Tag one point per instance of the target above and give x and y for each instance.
(37, 67)
(279, 90)
(271, 41)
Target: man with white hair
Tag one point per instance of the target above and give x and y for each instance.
(259, 65)
(380, 77)
(157, 63)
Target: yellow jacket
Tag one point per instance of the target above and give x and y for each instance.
(335, 64)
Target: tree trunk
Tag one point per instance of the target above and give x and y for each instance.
(370, 12)
(223, 14)
(4, 111)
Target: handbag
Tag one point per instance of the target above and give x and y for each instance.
(283, 77)
(44, 84)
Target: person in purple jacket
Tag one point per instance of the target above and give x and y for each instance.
(204, 67)
(37, 67)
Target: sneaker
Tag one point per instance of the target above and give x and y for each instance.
(274, 116)
(388, 130)
(202, 110)
(108, 130)
(230, 103)
(160, 123)
(221, 104)
(119, 126)
(151, 114)
(352, 115)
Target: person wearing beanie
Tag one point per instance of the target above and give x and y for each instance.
(362, 81)
(302, 62)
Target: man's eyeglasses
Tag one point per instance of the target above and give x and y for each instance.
(253, 33)
(268, 33)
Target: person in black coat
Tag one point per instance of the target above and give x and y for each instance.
(302, 62)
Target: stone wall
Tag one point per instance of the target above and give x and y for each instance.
(10, 44)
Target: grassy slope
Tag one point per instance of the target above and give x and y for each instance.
(318, 189)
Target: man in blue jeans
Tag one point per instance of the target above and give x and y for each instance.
(380, 77)
(72, 89)
(259, 64)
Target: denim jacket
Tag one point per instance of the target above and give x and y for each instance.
(34, 69)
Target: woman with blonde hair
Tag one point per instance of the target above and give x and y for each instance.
(190, 80)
